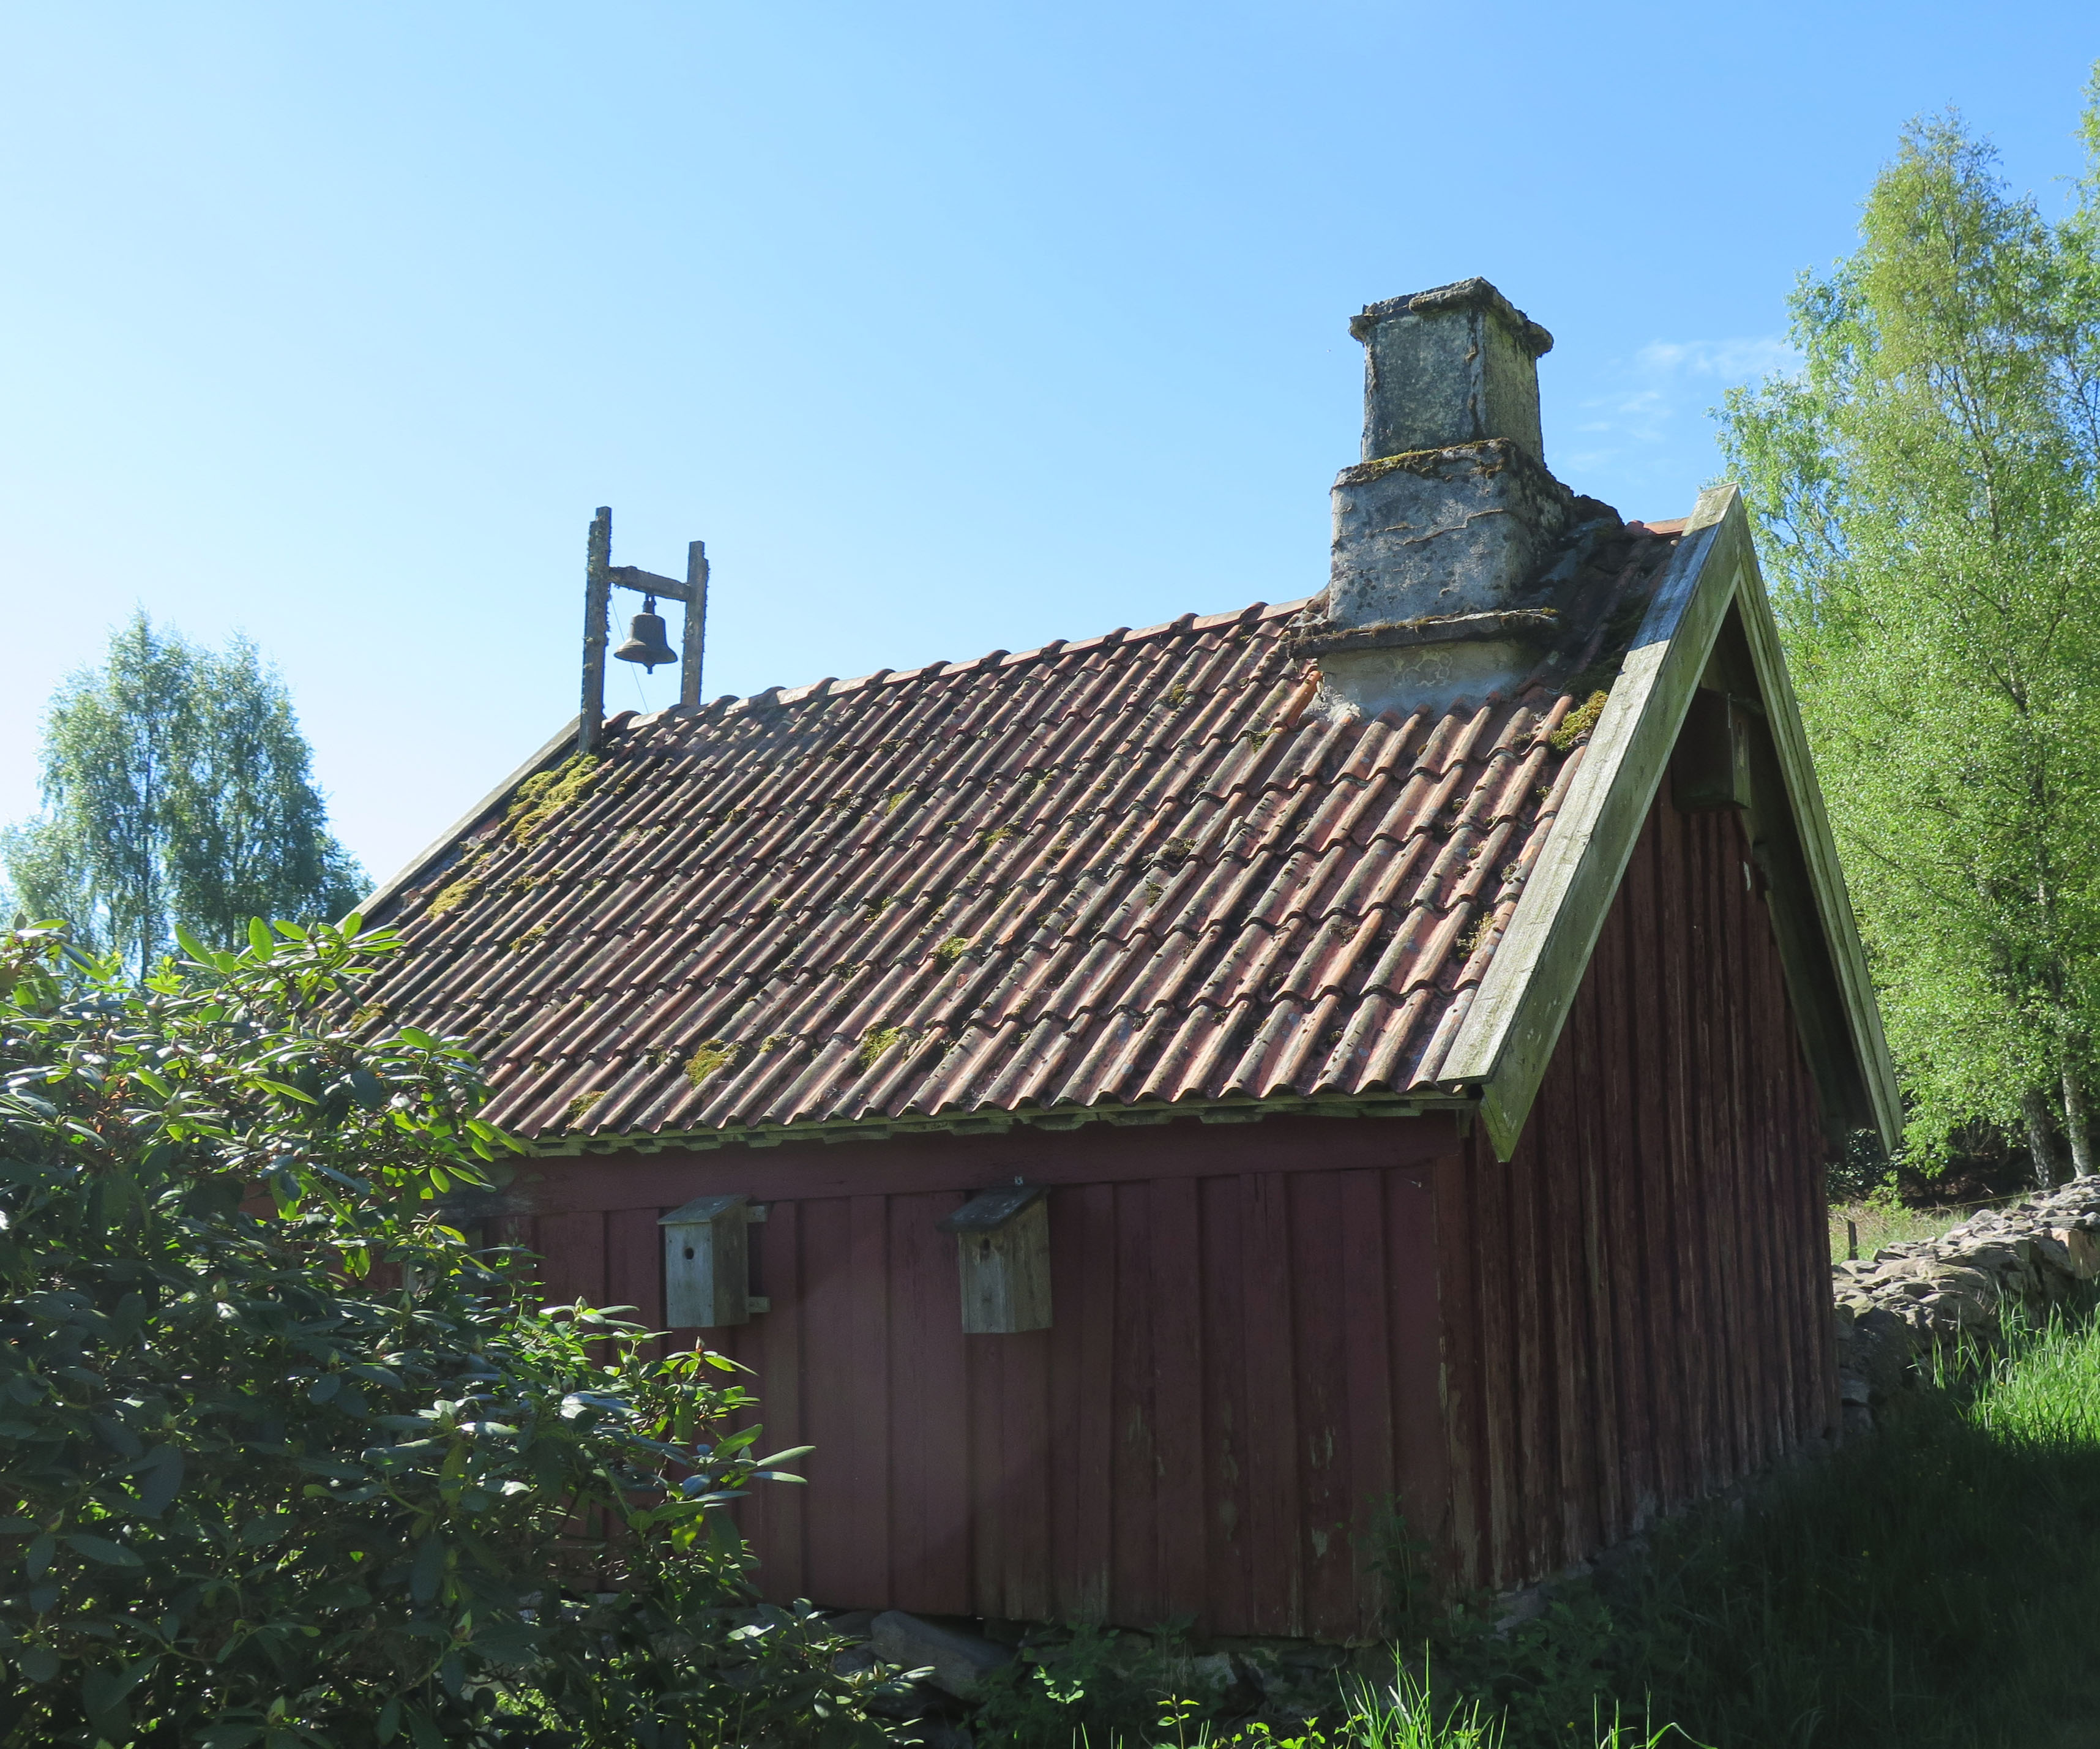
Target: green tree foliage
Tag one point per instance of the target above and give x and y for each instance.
(177, 791)
(1924, 493)
(259, 1491)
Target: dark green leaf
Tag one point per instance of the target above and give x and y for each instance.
(429, 1569)
(102, 1688)
(118, 1437)
(508, 1642)
(102, 1549)
(161, 1480)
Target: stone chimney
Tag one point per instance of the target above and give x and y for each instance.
(1443, 532)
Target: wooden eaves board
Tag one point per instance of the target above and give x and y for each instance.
(1508, 1036)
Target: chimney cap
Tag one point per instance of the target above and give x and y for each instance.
(1461, 294)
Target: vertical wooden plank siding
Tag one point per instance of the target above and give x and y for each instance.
(1230, 1455)
(1176, 1220)
(1134, 1465)
(1082, 1244)
(1423, 1404)
(772, 1347)
(1320, 1310)
(1657, 1240)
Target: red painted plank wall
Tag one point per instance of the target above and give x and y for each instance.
(1239, 1375)
(1637, 1305)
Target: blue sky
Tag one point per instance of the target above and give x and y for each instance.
(950, 327)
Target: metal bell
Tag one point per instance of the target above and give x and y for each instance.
(645, 640)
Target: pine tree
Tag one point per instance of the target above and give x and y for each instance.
(176, 790)
(1925, 491)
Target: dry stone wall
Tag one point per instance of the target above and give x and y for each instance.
(1910, 1299)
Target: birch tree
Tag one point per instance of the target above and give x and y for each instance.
(177, 790)
(1923, 490)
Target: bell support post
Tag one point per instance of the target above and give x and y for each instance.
(597, 603)
(696, 625)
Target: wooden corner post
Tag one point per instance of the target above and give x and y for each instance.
(1003, 1249)
(598, 605)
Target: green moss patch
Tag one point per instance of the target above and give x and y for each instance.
(1578, 723)
(712, 1054)
(877, 1041)
(543, 796)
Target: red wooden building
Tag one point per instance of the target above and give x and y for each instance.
(1422, 1067)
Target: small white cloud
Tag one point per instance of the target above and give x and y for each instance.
(1666, 378)
(1731, 360)
(1639, 437)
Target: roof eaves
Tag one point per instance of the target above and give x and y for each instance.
(1414, 1103)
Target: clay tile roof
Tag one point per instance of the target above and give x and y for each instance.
(1128, 871)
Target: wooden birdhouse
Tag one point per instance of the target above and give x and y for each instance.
(707, 1263)
(1003, 1249)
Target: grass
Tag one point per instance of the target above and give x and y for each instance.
(1883, 1220)
(1400, 1714)
(1934, 1586)
(1937, 1584)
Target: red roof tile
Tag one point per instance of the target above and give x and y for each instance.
(1131, 870)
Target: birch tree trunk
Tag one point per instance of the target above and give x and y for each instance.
(2041, 1143)
(2077, 1126)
